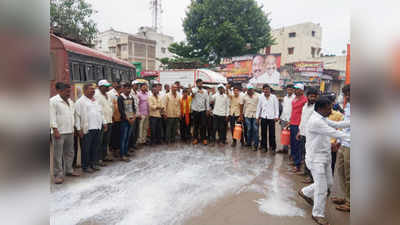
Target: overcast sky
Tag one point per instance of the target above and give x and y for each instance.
(333, 16)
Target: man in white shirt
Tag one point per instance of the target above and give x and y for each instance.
(105, 101)
(135, 127)
(308, 109)
(89, 121)
(318, 158)
(221, 115)
(62, 126)
(200, 111)
(287, 110)
(268, 111)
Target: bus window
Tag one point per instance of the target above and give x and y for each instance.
(75, 72)
(98, 73)
(82, 72)
(107, 71)
(89, 73)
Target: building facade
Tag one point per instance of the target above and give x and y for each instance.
(128, 47)
(297, 42)
(163, 42)
(145, 47)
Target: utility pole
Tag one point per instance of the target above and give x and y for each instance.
(156, 8)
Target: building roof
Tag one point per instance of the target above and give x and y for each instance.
(83, 50)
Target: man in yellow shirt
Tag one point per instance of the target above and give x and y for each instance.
(156, 109)
(172, 106)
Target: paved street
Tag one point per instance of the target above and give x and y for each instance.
(182, 184)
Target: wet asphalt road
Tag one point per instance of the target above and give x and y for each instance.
(188, 185)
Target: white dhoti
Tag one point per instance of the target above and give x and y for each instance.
(322, 174)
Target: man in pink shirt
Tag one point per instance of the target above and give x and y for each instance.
(143, 113)
(297, 107)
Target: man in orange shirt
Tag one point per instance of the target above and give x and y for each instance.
(185, 122)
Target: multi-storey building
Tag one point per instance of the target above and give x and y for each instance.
(297, 42)
(128, 47)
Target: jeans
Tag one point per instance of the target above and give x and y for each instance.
(219, 124)
(63, 154)
(295, 150)
(155, 130)
(172, 127)
(200, 124)
(233, 121)
(268, 125)
(91, 141)
(105, 137)
(126, 131)
(252, 131)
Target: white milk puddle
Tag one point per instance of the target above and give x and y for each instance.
(279, 195)
(161, 188)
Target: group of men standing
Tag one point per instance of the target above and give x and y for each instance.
(121, 116)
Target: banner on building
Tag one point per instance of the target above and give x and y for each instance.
(255, 69)
(149, 73)
(313, 67)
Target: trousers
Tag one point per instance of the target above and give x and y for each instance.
(126, 131)
(268, 125)
(63, 154)
(252, 131)
(199, 124)
(105, 138)
(323, 180)
(143, 129)
(91, 141)
(343, 170)
(155, 130)
(172, 127)
(219, 124)
(295, 150)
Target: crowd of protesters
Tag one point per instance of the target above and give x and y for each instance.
(111, 121)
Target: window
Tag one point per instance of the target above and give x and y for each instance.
(292, 34)
(82, 72)
(89, 73)
(99, 73)
(290, 51)
(313, 33)
(124, 48)
(313, 52)
(163, 50)
(108, 75)
(76, 76)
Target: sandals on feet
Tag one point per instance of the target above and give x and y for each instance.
(344, 208)
(320, 220)
(338, 201)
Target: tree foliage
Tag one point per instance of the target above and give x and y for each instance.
(71, 19)
(225, 28)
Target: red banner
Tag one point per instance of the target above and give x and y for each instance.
(149, 73)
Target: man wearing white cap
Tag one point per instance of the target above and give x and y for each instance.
(221, 115)
(248, 109)
(105, 101)
(297, 108)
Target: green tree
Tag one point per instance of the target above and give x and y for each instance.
(224, 28)
(71, 19)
